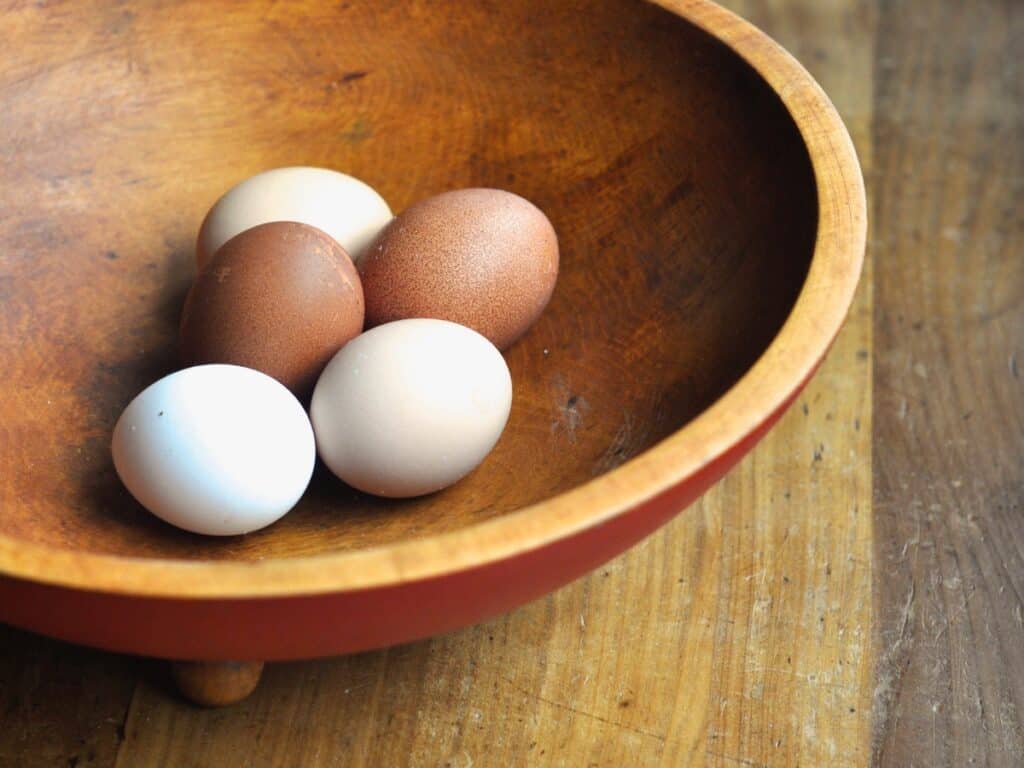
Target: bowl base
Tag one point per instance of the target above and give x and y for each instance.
(216, 683)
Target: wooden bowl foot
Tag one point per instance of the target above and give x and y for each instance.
(216, 683)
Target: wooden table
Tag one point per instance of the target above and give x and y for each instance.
(850, 594)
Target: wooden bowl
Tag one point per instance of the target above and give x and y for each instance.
(711, 215)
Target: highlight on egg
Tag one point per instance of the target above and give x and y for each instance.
(410, 407)
(347, 209)
(219, 450)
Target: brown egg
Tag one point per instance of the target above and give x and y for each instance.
(281, 298)
(480, 257)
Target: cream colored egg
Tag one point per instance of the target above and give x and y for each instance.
(347, 209)
(410, 407)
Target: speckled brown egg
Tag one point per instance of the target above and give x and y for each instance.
(484, 258)
(281, 298)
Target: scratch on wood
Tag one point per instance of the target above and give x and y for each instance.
(571, 415)
(621, 446)
(811, 679)
(570, 409)
(731, 759)
(890, 672)
(580, 712)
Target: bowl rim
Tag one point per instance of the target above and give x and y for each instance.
(789, 360)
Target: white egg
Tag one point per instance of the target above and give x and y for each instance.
(344, 207)
(215, 449)
(410, 407)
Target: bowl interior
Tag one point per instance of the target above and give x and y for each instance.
(679, 186)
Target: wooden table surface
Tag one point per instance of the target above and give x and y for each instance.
(851, 594)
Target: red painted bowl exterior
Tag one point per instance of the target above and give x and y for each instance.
(346, 622)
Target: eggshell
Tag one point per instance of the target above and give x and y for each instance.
(410, 407)
(281, 298)
(215, 449)
(485, 258)
(344, 207)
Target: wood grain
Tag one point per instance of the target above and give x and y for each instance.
(61, 705)
(931, 92)
(949, 396)
(738, 635)
(807, 492)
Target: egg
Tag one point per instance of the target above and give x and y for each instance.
(216, 449)
(344, 207)
(484, 258)
(410, 407)
(281, 298)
